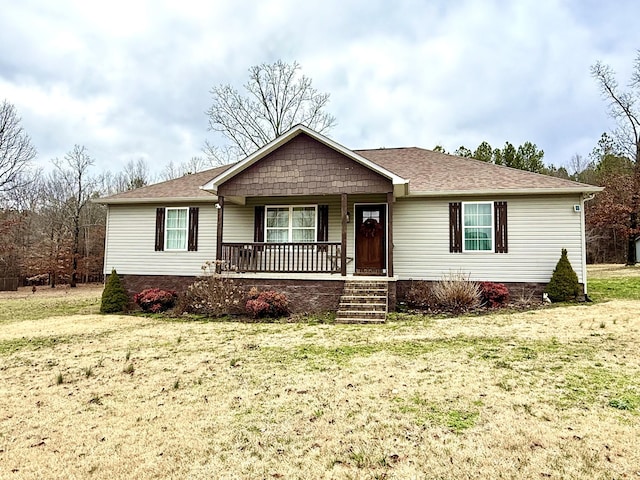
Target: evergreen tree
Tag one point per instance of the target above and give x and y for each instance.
(564, 285)
(114, 296)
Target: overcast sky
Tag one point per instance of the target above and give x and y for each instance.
(132, 79)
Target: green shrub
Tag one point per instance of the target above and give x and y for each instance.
(564, 285)
(114, 296)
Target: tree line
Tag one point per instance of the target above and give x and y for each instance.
(51, 231)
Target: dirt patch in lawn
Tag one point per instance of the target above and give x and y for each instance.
(551, 393)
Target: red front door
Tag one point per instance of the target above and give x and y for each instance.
(370, 239)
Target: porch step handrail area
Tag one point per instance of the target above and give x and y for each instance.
(294, 257)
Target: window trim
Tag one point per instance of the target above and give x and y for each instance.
(492, 227)
(166, 230)
(290, 227)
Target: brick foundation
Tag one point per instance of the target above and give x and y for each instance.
(305, 296)
(516, 289)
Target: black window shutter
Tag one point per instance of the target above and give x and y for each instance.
(192, 243)
(323, 225)
(455, 227)
(500, 214)
(160, 229)
(258, 224)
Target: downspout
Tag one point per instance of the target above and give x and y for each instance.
(106, 247)
(583, 200)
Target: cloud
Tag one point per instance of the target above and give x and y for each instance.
(132, 79)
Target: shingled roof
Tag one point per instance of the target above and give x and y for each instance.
(185, 188)
(434, 173)
(428, 173)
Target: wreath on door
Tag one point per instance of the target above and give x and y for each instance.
(370, 228)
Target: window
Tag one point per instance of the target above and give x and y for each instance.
(176, 229)
(290, 224)
(477, 227)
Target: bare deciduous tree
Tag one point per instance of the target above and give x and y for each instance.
(624, 109)
(136, 174)
(220, 155)
(77, 187)
(193, 165)
(276, 98)
(16, 150)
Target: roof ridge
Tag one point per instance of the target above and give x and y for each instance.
(385, 148)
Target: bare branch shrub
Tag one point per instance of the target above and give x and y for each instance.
(213, 295)
(456, 293)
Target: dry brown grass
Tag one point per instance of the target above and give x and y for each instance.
(83, 290)
(611, 270)
(526, 395)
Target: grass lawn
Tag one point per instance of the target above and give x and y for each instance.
(553, 393)
(607, 282)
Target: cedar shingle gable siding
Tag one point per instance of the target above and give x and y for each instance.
(304, 166)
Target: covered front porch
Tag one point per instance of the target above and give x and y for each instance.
(304, 204)
(343, 235)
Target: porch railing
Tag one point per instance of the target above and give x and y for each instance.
(316, 257)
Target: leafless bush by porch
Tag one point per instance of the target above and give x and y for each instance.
(456, 293)
(213, 296)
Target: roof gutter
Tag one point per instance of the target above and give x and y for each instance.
(127, 201)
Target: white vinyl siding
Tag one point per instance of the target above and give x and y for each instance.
(538, 229)
(131, 240)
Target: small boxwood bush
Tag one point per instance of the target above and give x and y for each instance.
(267, 304)
(494, 294)
(564, 285)
(155, 300)
(114, 296)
